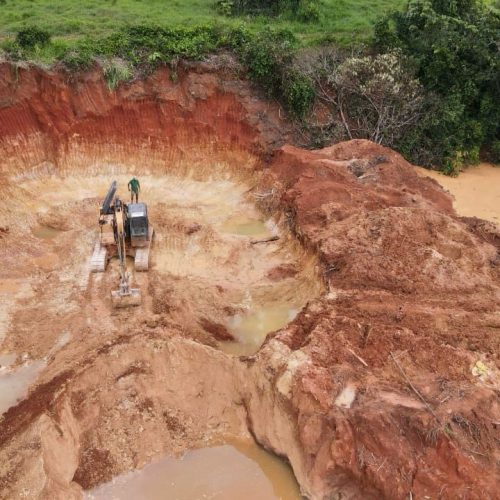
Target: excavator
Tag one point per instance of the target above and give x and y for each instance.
(124, 230)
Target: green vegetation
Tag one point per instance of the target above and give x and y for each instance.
(256, 7)
(116, 71)
(430, 91)
(453, 45)
(373, 97)
(344, 21)
(303, 10)
(31, 37)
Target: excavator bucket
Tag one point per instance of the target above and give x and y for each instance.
(125, 296)
(131, 298)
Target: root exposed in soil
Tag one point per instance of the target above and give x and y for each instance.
(370, 386)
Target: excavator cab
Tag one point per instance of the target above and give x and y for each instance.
(138, 224)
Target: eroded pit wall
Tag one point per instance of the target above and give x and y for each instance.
(166, 122)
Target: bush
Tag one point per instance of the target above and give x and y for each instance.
(495, 151)
(256, 7)
(298, 92)
(308, 11)
(266, 54)
(236, 38)
(225, 7)
(372, 97)
(385, 39)
(31, 37)
(81, 56)
(137, 43)
(36, 45)
(13, 50)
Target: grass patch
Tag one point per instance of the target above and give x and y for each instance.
(343, 21)
(116, 71)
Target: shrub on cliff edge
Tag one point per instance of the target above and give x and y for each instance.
(31, 37)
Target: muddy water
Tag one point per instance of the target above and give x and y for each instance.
(476, 190)
(14, 383)
(45, 232)
(251, 329)
(245, 226)
(233, 471)
(6, 360)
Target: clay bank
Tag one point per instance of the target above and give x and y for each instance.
(328, 305)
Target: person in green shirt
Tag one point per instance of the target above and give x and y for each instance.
(134, 187)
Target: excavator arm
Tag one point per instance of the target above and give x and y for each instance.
(125, 295)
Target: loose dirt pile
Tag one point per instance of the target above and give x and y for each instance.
(384, 385)
(412, 307)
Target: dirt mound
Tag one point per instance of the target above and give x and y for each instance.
(412, 306)
(384, 385)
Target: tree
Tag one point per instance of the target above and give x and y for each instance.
(374, 98)
(454, 46)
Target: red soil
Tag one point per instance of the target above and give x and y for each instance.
(414, 299)
(412, 304)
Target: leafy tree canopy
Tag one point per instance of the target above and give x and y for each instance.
(454, 46)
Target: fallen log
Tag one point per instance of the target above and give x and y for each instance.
(267, 240)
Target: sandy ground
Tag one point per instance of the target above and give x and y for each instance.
(204, 267)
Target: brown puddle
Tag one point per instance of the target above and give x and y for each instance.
(251, 329)
(245, 226)
(476, 190)
(45, 232)
(238, 470)
(14, 383)
(6, 360)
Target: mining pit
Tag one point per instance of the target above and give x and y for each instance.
(313, 323)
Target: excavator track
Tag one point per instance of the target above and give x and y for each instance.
(99, 258)
(141, 261)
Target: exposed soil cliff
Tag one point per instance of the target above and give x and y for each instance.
(413, 304)
(372, 391)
